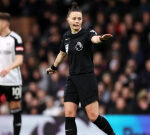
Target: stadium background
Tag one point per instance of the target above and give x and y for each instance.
(122, 64)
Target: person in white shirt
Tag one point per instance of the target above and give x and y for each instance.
(11, 57)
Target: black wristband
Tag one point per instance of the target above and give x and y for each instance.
(54, 68)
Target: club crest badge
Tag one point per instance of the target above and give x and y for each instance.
(79, 46)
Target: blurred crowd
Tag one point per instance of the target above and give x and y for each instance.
(122, 64)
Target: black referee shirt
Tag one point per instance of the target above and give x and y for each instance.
(79, 49)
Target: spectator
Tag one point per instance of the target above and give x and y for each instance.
(120, 107)
(51, 109)
(142, 103)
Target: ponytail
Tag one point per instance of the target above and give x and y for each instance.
(74, 8)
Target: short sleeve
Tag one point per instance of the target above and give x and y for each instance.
(91, 33)
(19, 47)
(62, 46)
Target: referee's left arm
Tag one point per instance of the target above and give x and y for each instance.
(98, 39)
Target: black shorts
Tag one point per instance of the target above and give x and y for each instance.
(12, 93)
(81, 88)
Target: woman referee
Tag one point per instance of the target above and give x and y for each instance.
(81, 84)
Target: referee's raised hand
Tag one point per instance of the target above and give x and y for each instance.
(105, 37)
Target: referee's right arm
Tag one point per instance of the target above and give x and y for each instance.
(60, 57)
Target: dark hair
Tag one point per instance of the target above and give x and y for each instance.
(5, 16)
(74, 8)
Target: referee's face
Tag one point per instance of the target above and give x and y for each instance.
(75, 21)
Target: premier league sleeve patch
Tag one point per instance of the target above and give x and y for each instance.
(67, 48)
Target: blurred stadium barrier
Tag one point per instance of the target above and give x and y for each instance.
(43, 125)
